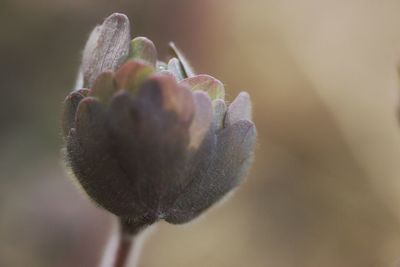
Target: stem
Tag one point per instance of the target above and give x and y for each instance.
(123, 247)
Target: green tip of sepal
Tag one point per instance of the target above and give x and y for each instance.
(144, 49)
(214, 88)
(132, 75)
(104, 87)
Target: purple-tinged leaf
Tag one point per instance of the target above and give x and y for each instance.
(97, 171)
(70, 106)
(132, 75)
(150, 141)
(107, 47)
(219, 114)
(202, 119)
(173, 97)
(223, 168)
(104, 87)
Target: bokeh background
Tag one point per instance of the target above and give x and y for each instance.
(325, 186)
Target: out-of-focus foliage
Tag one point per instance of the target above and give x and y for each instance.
(325, 187)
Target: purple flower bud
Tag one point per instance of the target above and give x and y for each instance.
(149, 140)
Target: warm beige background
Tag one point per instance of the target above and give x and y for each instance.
(325, 186)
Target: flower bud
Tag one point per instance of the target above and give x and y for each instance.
(149, 140)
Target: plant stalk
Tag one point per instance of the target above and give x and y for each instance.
(123, 248)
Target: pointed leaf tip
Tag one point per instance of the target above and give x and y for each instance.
(189, 72)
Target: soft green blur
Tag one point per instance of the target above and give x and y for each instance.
(325, 186)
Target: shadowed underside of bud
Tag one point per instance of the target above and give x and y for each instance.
(149, 140)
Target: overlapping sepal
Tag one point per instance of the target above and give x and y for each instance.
(106, 49)
(128, 152)
(217, 167)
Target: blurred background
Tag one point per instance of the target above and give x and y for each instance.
(325, 186)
